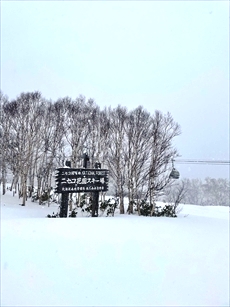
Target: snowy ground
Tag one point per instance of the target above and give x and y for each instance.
(114, 261)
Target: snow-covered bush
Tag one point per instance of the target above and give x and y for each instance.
(73, 213)
(145, 209)
(54, 215)
(108, 206)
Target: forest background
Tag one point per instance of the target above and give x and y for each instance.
(39, 135)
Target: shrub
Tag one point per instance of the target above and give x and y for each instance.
(54, 215)
(73, 213)
(109, 206)
(146, 209)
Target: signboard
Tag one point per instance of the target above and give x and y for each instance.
(75, 180)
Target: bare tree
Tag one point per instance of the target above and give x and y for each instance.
(5, 127)
(163, 130)
(76, 127)
(175, 194)
(116, 157)
(137, 152)
(51, 136)
(93, 136)
(24, 136)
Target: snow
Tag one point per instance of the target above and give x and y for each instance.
(113, 261)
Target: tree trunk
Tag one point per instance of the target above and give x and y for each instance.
(39, 189)
(24, 191)
(138, 208)
(152, 202)
(122, 208)
(3, 180)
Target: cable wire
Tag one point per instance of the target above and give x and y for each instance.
(210, 162)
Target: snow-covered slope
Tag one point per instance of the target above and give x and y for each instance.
(115, 261)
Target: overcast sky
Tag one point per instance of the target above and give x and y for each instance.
(166, 55)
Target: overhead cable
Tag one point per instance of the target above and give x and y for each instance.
(210, 162)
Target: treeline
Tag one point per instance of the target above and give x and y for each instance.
(38, 135)
(207, 192)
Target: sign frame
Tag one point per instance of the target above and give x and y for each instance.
(80, 180)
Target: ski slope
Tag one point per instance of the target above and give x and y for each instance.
(116, 261)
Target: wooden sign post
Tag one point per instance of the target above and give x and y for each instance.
(79, 180)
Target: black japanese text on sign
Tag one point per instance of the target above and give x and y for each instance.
(81, 180)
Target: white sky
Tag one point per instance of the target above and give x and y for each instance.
(166, 55)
